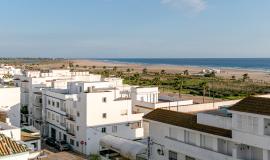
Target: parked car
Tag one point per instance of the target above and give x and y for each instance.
(62, 145)
(50, 142)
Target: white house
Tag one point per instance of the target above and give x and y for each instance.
(237, 133)
(87, 111)
(146, 99)
(10, 104)
(17, 143)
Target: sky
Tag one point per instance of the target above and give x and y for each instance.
(135, 28)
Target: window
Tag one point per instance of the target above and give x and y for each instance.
(78, 114)
(77, 143)
(49, 115)
(57, 118)
(40, 100)
(172, 155)
(49, 102)
(53, 116)
(57, 104)
(206, 142)
(53, 103)
(60, 136)
(103, 130)
(190, 137)
(104, 115)
(114, 129)
(80, 88)
(104, 99)
(78, 128)
(71, 142)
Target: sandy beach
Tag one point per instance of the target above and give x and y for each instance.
(225, 72)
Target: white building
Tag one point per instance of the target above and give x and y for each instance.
(17, 143)
(87, 111)
(33, 82)
(147, 99)
(10, 104)
(241, 133)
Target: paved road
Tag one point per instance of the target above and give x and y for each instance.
(54, 154)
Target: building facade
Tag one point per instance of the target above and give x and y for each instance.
(239, 132)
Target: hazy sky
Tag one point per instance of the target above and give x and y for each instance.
(135, 28)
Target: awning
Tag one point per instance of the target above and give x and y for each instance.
(126, 148)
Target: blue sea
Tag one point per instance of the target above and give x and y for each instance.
(262, 64)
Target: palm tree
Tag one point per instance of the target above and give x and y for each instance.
(186, 72)
(104, 67)
(94, 67)
(114, 68)
(204, 85)
(162, 71)
(144, 71)
(233, 77)
(128, 70)
(245, 77)
(178, 84)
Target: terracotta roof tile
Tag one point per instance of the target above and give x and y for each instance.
(185, 120)
(9, 146)
(256, 105)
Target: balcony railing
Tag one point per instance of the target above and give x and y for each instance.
(63, 124)
(188, 145)
(71, 132)
(71, 117)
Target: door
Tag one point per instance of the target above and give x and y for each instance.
(65, 137)
(53, 133)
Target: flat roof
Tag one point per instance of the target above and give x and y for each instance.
(185, 120)
(255, 105)
(219, 112)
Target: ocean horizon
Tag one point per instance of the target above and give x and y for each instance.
(261, 64)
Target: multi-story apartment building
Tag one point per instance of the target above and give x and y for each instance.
(33, 82)
(240, 132)
(86, 111)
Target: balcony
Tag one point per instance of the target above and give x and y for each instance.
(71, 132)
(189, 150)
(70, 117)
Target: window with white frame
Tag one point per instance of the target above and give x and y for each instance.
(104, 115)
(57, 118)
(172, 155)
(53, 116)
(190, 137)
(114, 129)
(206, 141)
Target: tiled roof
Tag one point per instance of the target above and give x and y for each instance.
(9, 146)
(185, 120)
(28, 137)
(256, 105)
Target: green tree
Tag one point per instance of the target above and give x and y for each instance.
(178, 84)
(186, 72)
(144, 71)
(245, 77)
(114, 68)
(204, 85)
(162, 71)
